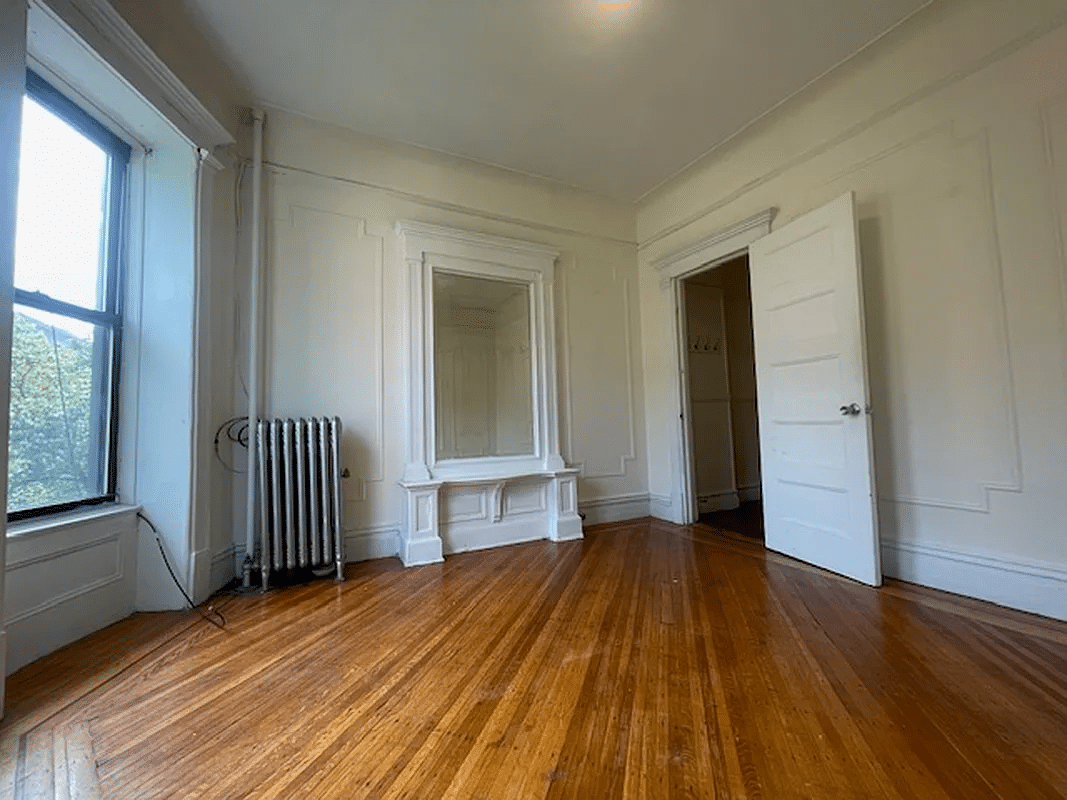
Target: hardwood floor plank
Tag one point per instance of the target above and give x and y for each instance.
(647, 661)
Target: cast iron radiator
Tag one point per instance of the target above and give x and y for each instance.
(299, 470)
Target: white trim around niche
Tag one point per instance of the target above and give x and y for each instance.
(436, 491)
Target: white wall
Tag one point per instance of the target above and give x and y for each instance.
(224, 396)
(953, 133)
(334, 306)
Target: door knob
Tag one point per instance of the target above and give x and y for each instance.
(852, 410)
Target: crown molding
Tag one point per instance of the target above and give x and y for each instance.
(406, 228)
(104, 30)
(760, 222)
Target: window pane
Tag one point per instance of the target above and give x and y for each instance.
(60, 238)
(60, 395)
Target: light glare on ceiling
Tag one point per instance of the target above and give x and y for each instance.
(611, 12)
(618, 8)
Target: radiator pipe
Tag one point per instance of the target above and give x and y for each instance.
(255, 282)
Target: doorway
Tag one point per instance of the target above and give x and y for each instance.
(724, 452)
(816, 453)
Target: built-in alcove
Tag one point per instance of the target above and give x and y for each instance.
(483, 464)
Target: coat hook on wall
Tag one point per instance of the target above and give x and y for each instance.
(703, 344)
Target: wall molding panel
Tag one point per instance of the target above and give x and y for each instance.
(434, 204)
(1054, 135)
(933, 181)
(315, 223)
(624, 313)
(114, 576)
(68, 579)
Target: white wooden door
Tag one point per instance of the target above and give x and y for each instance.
(811, 377)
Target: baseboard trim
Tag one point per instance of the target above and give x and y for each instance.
(614, 509)
(661, 507)
(720, 501)
(224, 567)
(367, 544)
(1025, 586)
(201, 568)
(750, 494)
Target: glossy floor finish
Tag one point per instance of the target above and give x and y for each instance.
(649, 661)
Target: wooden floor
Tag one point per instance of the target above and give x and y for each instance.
(649, 661)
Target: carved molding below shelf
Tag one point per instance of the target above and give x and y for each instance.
(455, 516)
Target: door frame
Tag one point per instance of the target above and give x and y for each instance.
(673, 269)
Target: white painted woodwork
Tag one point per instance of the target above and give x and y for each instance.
(68, 576)
(159, 51)
(12, 88)
(438, 482)
(811, 368)
(106, 32)
(953, 134)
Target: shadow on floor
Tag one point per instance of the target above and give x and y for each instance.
(746, 520)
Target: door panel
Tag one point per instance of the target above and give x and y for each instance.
(818, 484)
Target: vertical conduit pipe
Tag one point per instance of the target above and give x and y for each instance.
(254, 287)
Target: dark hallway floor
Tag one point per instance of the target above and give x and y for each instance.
(746, 519)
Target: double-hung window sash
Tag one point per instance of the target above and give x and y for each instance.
(67, 325)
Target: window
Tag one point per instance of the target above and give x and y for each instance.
(67, 315)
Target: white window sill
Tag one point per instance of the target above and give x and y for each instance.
(43, 525)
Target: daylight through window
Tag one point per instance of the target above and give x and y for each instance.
(67, 323)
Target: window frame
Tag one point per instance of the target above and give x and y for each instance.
(110, 317)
